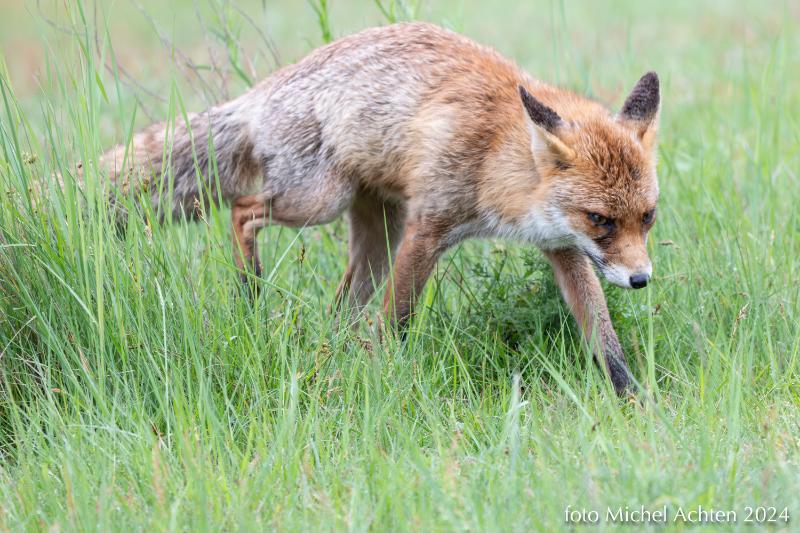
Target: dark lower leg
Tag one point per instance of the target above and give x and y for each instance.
(584, 296)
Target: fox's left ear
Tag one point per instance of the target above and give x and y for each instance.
(641, 109)
(547, 129)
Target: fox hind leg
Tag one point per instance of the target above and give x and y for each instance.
(317, 200)
(375, 230)
(249, 214)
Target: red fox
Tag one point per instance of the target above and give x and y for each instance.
(425, 138)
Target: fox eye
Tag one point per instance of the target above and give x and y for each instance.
(600, 220)
(648, 217)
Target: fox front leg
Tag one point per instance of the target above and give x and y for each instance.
(584, 296)
(420, 248)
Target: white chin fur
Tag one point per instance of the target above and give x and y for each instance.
(619, 276)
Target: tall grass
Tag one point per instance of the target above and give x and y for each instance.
(139, 389)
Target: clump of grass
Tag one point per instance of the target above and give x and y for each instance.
(513, 295)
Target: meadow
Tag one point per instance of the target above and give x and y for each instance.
(140, 390)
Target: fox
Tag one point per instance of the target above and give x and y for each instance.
(424, 138)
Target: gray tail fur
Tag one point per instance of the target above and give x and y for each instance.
(182, 169)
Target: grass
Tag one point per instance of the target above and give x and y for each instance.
(139, 390)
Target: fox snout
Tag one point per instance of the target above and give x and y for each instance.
(635, 277)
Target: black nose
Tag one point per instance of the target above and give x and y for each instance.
(639, 281)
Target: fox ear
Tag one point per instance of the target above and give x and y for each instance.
(545, 126)
(641, 109)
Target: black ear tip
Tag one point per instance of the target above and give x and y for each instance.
(643, 101)
(650, 80)
(540, 114)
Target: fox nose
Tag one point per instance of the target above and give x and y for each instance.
(639, 281)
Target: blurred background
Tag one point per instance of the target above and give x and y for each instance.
(213, 49)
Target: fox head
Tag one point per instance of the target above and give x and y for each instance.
(601, 188)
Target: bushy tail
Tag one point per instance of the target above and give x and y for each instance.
(175, 168)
